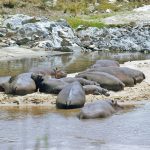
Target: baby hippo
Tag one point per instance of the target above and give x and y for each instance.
(99, 109)
(95, 90)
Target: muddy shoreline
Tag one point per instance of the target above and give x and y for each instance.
(139, 92)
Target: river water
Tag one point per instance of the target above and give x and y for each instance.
(50, 129)
(44, 128)
(69, 62)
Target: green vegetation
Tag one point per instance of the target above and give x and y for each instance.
(76, 12)
(74, 22)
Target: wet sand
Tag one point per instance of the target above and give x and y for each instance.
(15, 53)
(139, 92)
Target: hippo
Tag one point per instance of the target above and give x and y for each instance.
(46, 84)
(55, 73)
(105, 80)
(118, 73)
(136, 74)
(81, 80)
(106, 63)
(3, 80)
(20, 85)
(95, 90)
(99, 109)
(71, 96)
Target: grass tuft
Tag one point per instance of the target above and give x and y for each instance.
(74, 22)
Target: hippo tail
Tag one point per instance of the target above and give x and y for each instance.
(68, 103)
(144, 76)
(135, 81)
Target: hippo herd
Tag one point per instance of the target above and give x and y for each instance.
(104, 75)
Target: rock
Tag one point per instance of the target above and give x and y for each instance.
(40, 32)
(129, 38)
(15, 21)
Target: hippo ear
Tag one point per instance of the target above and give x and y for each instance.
(112, 101)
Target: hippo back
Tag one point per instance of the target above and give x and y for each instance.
(117, 72)
(71, 96)
(106, 63)
(98, 109)
(3, 80)
(20, 85)
(105, 80)
(136, 74)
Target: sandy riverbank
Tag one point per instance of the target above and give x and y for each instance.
(129, 94)
(15, 53)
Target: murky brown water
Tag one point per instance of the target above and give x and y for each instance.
(70, 63)
(48, 129)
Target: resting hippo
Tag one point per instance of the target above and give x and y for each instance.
(99, 109)
(105, 80)
(3, 80)
(72, 96)
(46, 84)
(20, 85)
(95, 90)
(117, 72)
(136, 74)
(47, 71)
(106, 63)
(81, 80)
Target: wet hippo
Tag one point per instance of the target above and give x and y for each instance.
(105, 80)
(55, 73)
(72, 96)
(117, 72)
(3, 80)
(106, 63)
(95, 90)
(20, 85)
(46, 84)
(99, 109)
(136, 74)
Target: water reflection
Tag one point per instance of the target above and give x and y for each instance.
(69, 62)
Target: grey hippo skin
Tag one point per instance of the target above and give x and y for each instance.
(95, 90)
(105, 80)
(136, 74)
(3, 80)
(72, 96)
(99, 109)
(46, 84)
(56, 73)
(81, 80)
(118, 73)
(106, 63)
(20, 85)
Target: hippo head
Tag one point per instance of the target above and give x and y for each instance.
(38, 78)
(115, 105)
(59, 73)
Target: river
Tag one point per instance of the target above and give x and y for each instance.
(69, 62)
(28, 128)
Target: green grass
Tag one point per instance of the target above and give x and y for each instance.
(74, 22)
